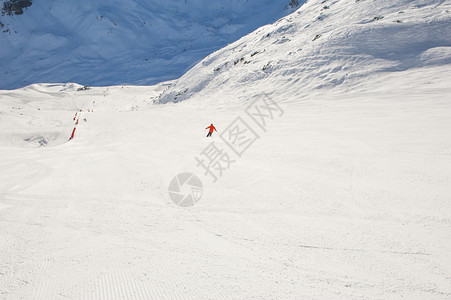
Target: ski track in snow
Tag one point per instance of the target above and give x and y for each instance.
(345, 196)
(100, 210)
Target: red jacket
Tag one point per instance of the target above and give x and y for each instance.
(211, 128)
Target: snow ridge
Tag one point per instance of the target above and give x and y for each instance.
(325, 44)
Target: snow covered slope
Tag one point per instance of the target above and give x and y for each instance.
(118, 42)
(344, 196)
(324, 45)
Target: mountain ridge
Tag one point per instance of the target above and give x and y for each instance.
(131, 42)
(325, 44)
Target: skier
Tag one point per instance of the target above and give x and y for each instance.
(211, 127)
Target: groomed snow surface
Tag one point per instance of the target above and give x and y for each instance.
(346, 195)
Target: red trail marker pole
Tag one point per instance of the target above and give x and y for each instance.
(73, 133)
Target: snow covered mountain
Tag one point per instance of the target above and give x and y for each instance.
(344, 192)
(324, 45)
(118, 42)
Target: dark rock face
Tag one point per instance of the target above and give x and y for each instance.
(15, 7)
(293, 4)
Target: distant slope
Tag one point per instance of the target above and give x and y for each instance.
(323, 45)
(119, 42)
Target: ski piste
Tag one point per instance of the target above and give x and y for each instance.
(343, 192)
